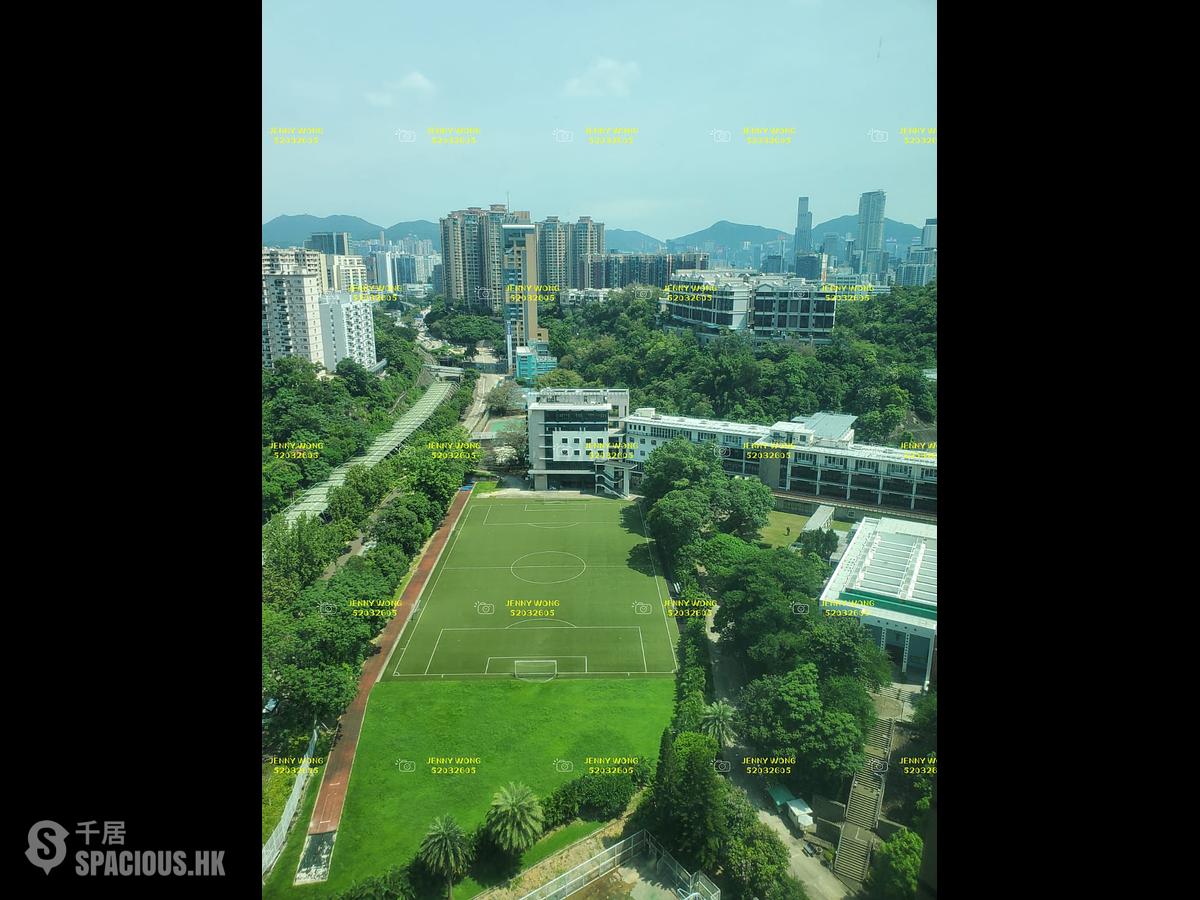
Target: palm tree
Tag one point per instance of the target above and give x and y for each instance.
(515, 819)
(717, 722)
(446, 850)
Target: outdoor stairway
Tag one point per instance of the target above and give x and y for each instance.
(853, 857)
(866, 797)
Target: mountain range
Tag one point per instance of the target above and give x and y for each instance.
(292, 231)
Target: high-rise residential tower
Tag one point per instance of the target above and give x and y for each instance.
(803, 243)
(870, 232)
(554, 242)
(347, 330)
(587, 242)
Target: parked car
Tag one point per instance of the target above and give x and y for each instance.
(812, 848)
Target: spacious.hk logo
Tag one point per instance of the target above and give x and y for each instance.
(48, 848)
(47, 845)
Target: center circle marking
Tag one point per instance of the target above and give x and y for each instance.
(547, 566)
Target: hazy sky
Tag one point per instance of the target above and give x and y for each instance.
(681, 73)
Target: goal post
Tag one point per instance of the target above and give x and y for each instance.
(535, 669)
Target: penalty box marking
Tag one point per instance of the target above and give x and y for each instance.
(638, 628)
(553, 659)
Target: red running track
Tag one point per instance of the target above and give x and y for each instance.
(327, 812)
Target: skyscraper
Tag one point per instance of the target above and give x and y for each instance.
(803, 242)
(554, 242)
(870, 232)
(331, 243)
(929, 235)
(587, 240)
(831, 246)
(473, 256)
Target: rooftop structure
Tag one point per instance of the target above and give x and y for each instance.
(888, 579)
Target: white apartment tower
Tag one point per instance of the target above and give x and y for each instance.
(348, 330)
(291, 321)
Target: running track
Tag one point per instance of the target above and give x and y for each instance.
(327, 812)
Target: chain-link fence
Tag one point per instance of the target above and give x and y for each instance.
(274, 845)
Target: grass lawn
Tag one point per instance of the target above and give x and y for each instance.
(518, 730)
(275, 791)
(486, 487)
(774, 534)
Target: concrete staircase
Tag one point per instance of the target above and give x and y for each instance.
(865, 803)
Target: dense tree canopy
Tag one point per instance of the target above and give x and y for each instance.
(872, 368)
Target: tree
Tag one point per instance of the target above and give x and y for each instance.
(679, 517)
(515, 819)
(505, 397)
(718, 723)
(689, 713)
(446, 851)
(821, 542)
(722, 552)
(697, 813)
(757, 860)
(561, 377)
(676, 464)
(895, 867)
(397, 524)
(745, 505)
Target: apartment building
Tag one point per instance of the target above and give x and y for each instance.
(347, 330)
(291, 318)
(344, 273)
(295, 261)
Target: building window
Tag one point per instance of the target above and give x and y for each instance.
(576, 452)
(866, 465)
(564, 440)
(577, 440)
(895, 469)
(641, 440)
(806, 457)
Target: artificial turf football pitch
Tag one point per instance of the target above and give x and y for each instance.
(563, 585)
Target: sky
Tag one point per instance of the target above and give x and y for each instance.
(532, 77)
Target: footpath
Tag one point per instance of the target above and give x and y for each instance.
(327, 813)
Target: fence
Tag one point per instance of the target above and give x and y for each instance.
(610, 858)
(274, 845)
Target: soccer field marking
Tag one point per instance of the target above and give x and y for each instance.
(488, 664)
(487, 514)
(431, 655)
(513, 567)
(534, 624)
(506, 627)
(643, 643)
(563, 566)
(559, 525)
(427, 590)
(657, 587)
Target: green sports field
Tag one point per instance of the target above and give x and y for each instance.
(566, 587)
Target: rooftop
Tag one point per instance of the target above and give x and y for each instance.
(826, 424)
(890, 565)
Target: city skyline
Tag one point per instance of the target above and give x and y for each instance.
(830, 81)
